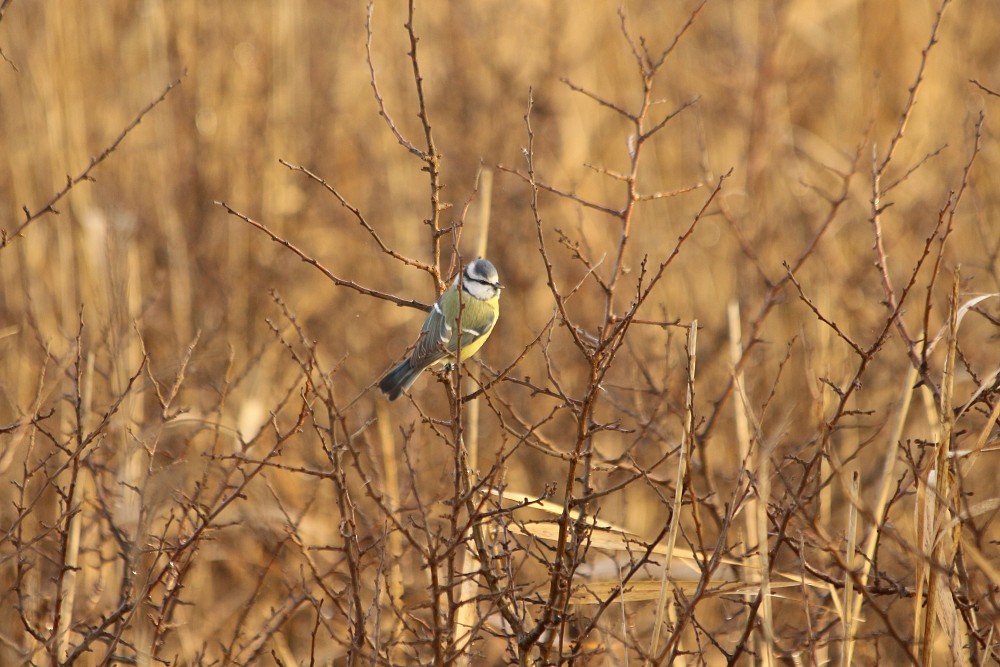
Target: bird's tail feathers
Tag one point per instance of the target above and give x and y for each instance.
(398, 380)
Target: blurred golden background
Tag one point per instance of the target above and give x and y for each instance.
(788, 98)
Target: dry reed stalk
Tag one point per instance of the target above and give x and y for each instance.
(71, 564)
(823, 402)
(390, 469)
(180, 271)
(984, 436)
(941, 536)
(972, 456)
(126, 307)
(485, 190)
(922, 521)
(766, 614)
(848, 622)
(751, 539)
(884, 488)
(682, 459)
(468, 564)
(289, 96)
(80, 498)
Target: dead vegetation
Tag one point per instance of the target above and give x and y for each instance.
(740, 407)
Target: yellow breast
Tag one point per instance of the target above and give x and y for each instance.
(475, 310)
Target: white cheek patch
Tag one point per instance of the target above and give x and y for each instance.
(478, 290)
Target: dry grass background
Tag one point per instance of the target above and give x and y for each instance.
(196, 469)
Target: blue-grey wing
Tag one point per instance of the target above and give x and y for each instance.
(434, 337)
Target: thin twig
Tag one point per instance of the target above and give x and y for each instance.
(72, 181)
(308, 259)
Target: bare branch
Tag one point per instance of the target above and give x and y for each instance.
(988, 91)
(72, 181)
(360, 217)
(336, 280)
(904, 116)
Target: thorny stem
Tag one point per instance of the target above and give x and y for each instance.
(72, 181)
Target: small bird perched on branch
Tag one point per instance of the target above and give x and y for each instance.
(475, 296)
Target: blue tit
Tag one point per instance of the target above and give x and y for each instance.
(478, 303)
